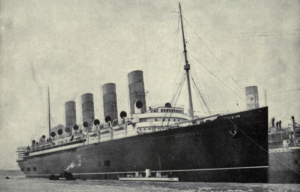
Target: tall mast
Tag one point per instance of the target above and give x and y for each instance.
(294, 132)
(187, 67)
(49, 113)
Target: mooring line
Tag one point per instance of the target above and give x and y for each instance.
(264, 149)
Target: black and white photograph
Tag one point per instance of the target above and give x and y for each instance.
(150, 95)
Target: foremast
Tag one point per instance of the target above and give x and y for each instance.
(187, 67)
(49, 114)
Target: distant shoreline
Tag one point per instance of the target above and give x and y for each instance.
(11, 172)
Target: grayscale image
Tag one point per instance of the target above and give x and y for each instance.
(133, 95)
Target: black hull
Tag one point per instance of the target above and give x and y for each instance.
(204, 153)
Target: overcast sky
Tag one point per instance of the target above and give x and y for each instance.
(75, 47)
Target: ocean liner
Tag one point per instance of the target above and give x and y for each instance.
(284, 152)
(217, 148)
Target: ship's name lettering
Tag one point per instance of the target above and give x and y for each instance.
(187, 135)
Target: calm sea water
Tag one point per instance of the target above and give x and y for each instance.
(18, 183)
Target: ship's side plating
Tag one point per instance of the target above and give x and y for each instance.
(204, 152)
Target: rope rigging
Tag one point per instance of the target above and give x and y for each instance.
(174, 51)
(213, 55)
(199, 101)
(217, 78)
(176, 98)
(196, 87)
(201, 96)
(179, 88)
(263, 148)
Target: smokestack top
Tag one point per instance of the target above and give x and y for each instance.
(135, 76)
(251, 89)
(87, 97)
(70, 105)
(109, 88)
(252, 97)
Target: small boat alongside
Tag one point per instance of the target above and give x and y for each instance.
(63, 176)
(157, 178)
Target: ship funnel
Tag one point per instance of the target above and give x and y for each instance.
(136, 92)
(88, 108)
(110, 101)
(252, 97)
(70, 109)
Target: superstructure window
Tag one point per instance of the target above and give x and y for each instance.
(22, 169)
(28, 169)
(34, 169)
(296, 161)
(106, 163)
